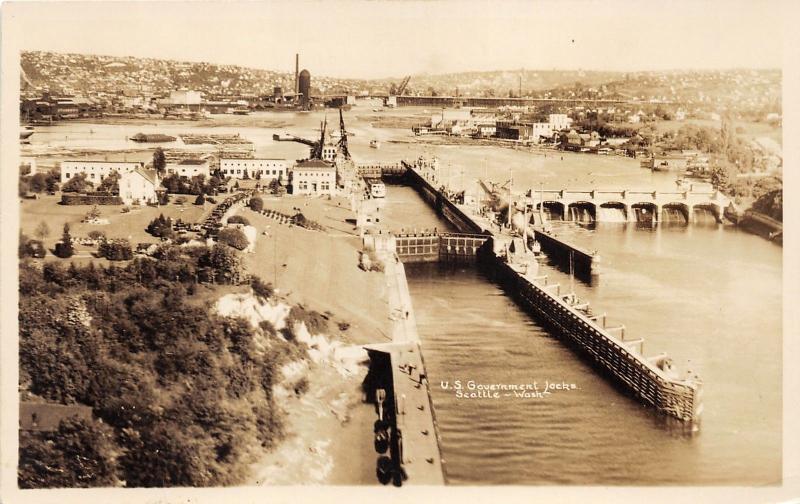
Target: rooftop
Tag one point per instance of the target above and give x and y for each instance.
(315, 164)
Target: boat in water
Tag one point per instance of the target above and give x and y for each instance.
(375, 144)
(152, 138)
(25, 133)
(241, 111)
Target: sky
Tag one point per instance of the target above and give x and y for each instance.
(375, 39)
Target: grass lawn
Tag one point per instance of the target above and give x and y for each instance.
(129, 225)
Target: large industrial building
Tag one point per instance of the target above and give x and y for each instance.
(255, 168)
(95, 171)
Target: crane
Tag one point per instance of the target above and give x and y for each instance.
(343, 139)
(402, 87)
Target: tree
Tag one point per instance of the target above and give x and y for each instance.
(720, 178)
(233, 237)
(225, 263)
(78, 455)
(42, 231)
(160, 227)
(110, 183)
(256, 204)
(116, 250)
(77, 184)
(64, 247)
(38, 183)
(238, 219)
(24, 187)
(53, 180)
(200, 200)
(159, 161)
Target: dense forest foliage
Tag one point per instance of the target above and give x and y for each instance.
(179, 393)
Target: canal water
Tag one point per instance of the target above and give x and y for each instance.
(707, 294)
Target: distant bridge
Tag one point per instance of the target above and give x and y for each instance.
(635, 205)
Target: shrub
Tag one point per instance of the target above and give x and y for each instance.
(261, 289)
(77, 184)
(116, 251)
(63, 250)
(238, 219)
(64, 247)
(90, 199)
(200, 200)
(315, 322)
(180, 200)
(161, 227)
(31, 248)
(96, 234)
(234, 238)
(256, 204)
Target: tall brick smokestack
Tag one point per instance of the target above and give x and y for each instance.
(296, 73)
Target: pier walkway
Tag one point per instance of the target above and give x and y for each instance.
(398, 376)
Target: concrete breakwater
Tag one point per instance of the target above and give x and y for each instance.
(651, 380)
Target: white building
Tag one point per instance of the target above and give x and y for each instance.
(185, 97)
(255, 168)
(329, 152)
(95, 171)
(447, 117)
(189, 168)
(138, 186)
(559, 122)
(541, 130)
(313, 177)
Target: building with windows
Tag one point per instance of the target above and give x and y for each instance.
(559, 122)
(263, 169)
(96, 171)
(189, 168)
(313, 177)
(139, 186)
(539, 130)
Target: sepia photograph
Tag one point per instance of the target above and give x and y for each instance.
(362, 245)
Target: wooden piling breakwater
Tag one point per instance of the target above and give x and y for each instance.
(621, 360)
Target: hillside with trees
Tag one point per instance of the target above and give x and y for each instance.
(180, 395)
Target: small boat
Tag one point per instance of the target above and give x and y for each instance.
(375, 144)
(241, 111)
(25, 133)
